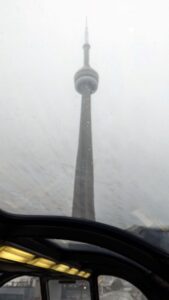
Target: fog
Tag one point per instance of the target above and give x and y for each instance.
(40, 51)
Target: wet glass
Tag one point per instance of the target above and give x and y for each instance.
(114, 288)
(21, 288)
(76, 290)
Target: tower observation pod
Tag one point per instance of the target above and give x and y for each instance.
(86, 83)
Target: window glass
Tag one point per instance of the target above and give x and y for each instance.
(75, 290)
(114, 288)
(21, 288)
(84, 130)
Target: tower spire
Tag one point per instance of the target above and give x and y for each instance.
(86, 33)
(86, 46)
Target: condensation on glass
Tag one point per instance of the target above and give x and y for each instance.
(114, 288)
(21, 288)
(74, 290)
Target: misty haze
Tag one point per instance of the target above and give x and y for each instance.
(40, 51)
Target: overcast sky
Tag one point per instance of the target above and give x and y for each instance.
(40, 51)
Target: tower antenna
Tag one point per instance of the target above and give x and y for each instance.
(86, 32)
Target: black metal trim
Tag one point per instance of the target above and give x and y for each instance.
(128, 250)
(44, 288)
(114, 239)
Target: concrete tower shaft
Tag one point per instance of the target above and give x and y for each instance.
(86, 83)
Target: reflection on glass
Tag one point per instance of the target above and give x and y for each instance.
(75, 290)
(21, 288)
(114, 288)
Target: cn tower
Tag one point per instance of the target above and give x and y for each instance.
(86, 83)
